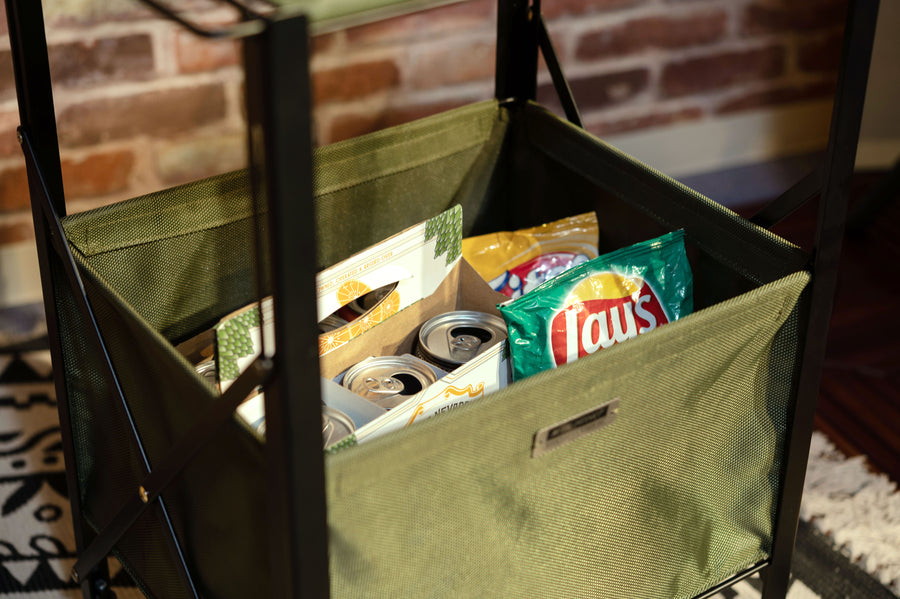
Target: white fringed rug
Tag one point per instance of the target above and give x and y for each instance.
(858, 510)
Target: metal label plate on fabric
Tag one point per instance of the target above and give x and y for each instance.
(556, 435)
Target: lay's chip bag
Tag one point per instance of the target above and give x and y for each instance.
(515, 262)
(592, 306)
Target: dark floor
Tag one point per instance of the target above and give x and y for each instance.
(859, 401)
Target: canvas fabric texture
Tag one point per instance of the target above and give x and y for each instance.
(676, 494)
(40, 548)
(673, 497)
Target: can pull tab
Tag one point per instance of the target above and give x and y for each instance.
(463, 347)
(386, 385)
(327, 430)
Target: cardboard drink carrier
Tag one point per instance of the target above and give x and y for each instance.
(427, 277)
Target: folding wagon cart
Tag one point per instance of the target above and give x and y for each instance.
(694, 486)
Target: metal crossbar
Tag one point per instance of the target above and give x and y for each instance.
(251, 23)
(784, 205)
(44, 207)
(560, 84)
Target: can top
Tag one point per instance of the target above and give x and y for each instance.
(457, 337)
(388, 380)
(209, 371)
(335, 425)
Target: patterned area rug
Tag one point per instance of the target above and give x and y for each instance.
(37, 546)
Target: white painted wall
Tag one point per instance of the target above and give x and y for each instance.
(720, 143)
(879, 144)
(731, 141)
(20, 279)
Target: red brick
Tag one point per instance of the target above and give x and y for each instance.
(450, 65)
(354, 125)
(97, 12)
(196, 158)
(7, 80)
(128, 58)
(637, 35)
(159, 113)
(16, 232)
(9, 141)
(821, 53)
(646, 121)
(14, 188)
(780, 16)
(354, 80)
(97, 174)
(322, 42)
(705, 73)
(779, 95)
(453, 17)
(598, 91)
(557, 8)
(196, 54)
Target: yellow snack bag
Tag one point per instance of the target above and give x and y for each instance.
(515, 262)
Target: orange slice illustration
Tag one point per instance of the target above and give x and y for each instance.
(334, 339)
(350, 290)
(387, 307)
(361, 325)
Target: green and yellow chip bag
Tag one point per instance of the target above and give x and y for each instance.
(607, 300)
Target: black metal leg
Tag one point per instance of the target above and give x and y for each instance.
(278, 110)
(840, 159)
(517, 51)
(28, 45)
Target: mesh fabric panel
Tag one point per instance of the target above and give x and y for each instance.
(556, 160)
(108, 462)
(148, 557)
(673, 497)
(225, 478)
(107, 457)
(371, 187)
(181, 258)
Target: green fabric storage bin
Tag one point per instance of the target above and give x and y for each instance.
(673, 497)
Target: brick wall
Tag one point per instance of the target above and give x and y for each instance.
(142, 105)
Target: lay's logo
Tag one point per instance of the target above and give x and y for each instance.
(602, 310)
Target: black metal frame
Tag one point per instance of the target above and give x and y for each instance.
(276, 60)
(280, 150)
(837, 172)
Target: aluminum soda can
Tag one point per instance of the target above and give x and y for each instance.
(451, 339)
(335, 426)
(388, 381)
(208, 371)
